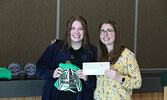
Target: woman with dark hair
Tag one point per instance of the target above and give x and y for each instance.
(124, 74)
(59, 62)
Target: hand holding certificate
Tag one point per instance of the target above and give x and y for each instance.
(95, 68)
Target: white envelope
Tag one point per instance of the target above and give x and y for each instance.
(95, 68)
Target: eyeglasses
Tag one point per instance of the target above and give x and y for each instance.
(108, 31)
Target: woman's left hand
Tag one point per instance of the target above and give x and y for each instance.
(81, 76)
(53, 41)
(113, 75)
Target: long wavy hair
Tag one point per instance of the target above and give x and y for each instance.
(66, 44)
(114, 55)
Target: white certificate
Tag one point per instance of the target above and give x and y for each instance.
(95, 68)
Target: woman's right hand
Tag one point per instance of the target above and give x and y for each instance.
(57, 72)
(53, 41)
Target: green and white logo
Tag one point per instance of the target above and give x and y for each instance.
(69, 81)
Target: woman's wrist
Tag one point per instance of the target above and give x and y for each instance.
(121, 79)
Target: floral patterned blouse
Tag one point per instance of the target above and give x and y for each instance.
(108, 89)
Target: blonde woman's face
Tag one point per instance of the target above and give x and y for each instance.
(77, 32)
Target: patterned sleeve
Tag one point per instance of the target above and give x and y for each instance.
(133, 78)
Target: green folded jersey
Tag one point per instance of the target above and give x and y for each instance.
(164, 78)
(69, 81)
(5, 73)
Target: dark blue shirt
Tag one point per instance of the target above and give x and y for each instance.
(50, 60)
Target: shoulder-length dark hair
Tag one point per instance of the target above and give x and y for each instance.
(66, 45)
(113, 56)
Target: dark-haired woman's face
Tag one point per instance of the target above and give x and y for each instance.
(107, 34)
(77, 32)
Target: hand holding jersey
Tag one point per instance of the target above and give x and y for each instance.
(68, 80)
(57, 72)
